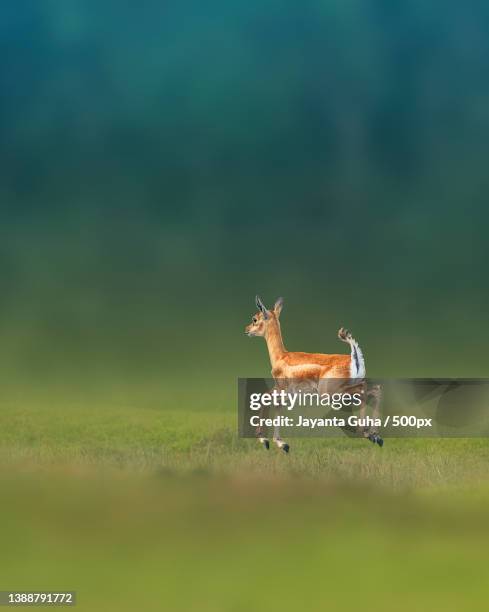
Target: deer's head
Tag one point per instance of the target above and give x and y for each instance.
(264, 318)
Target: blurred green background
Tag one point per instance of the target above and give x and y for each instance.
(162, 162)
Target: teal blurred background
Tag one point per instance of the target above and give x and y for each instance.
(162, 162)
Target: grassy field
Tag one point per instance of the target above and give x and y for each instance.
(141, 508)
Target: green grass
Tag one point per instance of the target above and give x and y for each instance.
(140, 508)
(182, 442)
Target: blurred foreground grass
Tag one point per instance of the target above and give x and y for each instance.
(143, 509)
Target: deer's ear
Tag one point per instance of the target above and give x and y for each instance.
(261, 306)
(278, 306)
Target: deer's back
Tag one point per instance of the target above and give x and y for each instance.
(312, 365)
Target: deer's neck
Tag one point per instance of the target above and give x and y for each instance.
(275, 344)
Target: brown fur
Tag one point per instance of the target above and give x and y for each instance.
(293, 364)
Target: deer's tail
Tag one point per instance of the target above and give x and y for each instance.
(357, 363)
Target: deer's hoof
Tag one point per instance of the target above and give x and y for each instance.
(266, 444)
(375, 438)
(285, 448)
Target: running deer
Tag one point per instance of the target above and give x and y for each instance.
(326, 372)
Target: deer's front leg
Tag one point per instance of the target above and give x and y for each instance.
(276, 431)
(278, 440)
(260, 434)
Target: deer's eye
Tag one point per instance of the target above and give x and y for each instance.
(254, 319)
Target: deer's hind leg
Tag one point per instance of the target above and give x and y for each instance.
(370, 396)
(374, 395)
